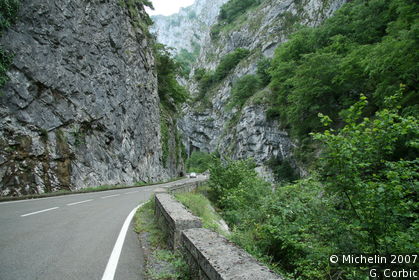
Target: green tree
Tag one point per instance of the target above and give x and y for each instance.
(366, 47)
(377, 184)
(198, 162)
(171, 93)
(244, 88)
(226, 65)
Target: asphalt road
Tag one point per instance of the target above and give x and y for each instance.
(71, 237)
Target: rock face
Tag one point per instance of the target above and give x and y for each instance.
(188, 28)
(246, 132)
(81, 107)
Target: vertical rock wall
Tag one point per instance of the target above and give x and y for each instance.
(81, 107)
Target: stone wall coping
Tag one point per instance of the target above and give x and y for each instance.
(174, 209)
(221, 259)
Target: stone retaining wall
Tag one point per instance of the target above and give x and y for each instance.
(210, 256)
(186, 187)
(173, 217)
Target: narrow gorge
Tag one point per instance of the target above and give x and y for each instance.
(81, 107)
(210, 122)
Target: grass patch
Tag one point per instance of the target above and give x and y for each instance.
(162, 263)
(87, 190)
(200, 206)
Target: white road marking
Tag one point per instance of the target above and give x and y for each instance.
(131, 192)
(37, 212)
(9, 202)
(110, 196)
(109, 273)
(75, 203)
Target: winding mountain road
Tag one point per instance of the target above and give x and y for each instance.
(73, 236)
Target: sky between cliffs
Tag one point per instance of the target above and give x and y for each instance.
(168, 7)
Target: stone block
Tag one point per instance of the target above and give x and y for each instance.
(211, 256)
(173, 217)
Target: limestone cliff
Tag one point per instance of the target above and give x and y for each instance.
(246, 132)
(81, 107)
(188, 28)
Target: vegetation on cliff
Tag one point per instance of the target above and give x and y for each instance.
(349, 87)
(230, 12)
(361, 198)
(172, 96)
(367, 47)
(8, 15)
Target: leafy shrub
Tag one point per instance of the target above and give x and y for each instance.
(377, 184)
(227, 63)
(262, 71)
(198, 162)
(362, 198)
(366, 47)
(186, 59)
(244, 88)
(139, 19)
(171, 93)
(8, 15)
(237, 189)
(230, 11)
(282, 169)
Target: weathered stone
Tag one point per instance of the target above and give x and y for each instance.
(188, 28)
(213, 257)
(81, 107)
(173, 218)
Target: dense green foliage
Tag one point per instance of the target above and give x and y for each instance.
(262, 71)
(372, 165)
(244, 88)
(198, 162)
(368, 47)
(230, 11)
(139, 19)
(362, 198)
(186, 59)
(172, 96)
(227, 63)
(237, 190)
(282, 169)
(8, 15)
(171, 93)
(362, 195)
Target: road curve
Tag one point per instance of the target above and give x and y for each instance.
(71, 237)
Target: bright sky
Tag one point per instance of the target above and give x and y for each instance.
(168, 7)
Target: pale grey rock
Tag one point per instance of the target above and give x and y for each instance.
(81, 108)
(189, 27)
(252, 135)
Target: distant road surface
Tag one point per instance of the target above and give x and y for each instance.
(72, 236)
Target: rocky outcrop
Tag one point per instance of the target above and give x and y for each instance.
(81, 107)
(246, 132)
(188, 28)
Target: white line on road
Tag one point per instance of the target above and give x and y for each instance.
(131, 192)
(111, 195)
(109, 273)
(75, 203)
(37, 212)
